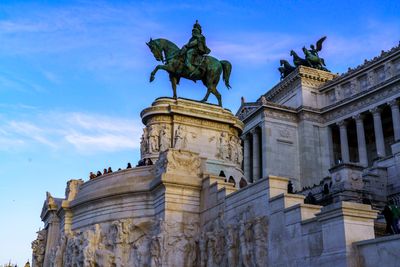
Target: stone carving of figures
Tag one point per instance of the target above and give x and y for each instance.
(371, 78)
(59, 252)
(180, 138)
(203, 249)
(39, 248)
(233, 149)
(210, 249)
(142, 251)
(75, 247)
(223, 148)
(353, 88)
(155, 252)
(144, 143)
(165, 138)
(153, 139)
(219, 247)
(245, 236)
(240, 153)
(260, 241)
(89, 248)
(231, 244)
(388, 70)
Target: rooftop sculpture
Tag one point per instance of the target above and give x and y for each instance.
(312, 59)
(191, 62)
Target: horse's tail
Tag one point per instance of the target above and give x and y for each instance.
(226, 70)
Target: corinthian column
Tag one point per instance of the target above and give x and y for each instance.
(344, 144)
(362, 148)
(394, 105)
(247, 158)
(256, 156)
(379, 140)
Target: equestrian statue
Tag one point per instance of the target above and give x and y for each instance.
(312, 59)
(191, 62)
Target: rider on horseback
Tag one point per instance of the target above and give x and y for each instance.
(194, 48)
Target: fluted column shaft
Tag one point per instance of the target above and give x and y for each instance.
(362, 147)
(264, 148)
(394, 105)
(344, 144)
(256, 155)
(247, 158)
(379, 139)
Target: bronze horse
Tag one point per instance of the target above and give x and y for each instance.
(208, 70)
(298, 61)
(285, 69)
(314, 61)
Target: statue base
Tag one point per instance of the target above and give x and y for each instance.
(209, 130)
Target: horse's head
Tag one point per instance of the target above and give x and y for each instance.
(292, 52)
(155, 49)
(305, 50)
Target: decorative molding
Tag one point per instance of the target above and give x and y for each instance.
(361, 104)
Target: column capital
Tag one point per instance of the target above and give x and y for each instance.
(342, 123)
(254, 130)
(359, 117)
(375, 110)
(393, 103)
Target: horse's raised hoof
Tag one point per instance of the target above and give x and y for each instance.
(152, 78)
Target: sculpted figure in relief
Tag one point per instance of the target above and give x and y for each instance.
(260, 241)
(231, 245)
(210, 249)
(39, 248)
(180, 137)
(203, 249)
(155, 251)
(240, 153)
(57, 259)
(371, 78)
(153, 139)
(233, 149)
(165, 138)
(223, 146)
(388, 70)
(245, 233)
(144, 143)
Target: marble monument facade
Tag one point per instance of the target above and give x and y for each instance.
(214, 187)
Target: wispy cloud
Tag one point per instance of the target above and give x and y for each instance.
(9, 81)
(265, 47)
(253, 47)
(86, 133)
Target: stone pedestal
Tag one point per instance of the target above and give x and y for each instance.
(209, 130)
(342, 224)
(347, 183)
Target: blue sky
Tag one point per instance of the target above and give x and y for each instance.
(74, 78)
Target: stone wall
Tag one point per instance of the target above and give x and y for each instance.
(384, 251)
(180, 212)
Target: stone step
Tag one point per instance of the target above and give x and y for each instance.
(284, 200)
(277, 185)
(300, 212)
